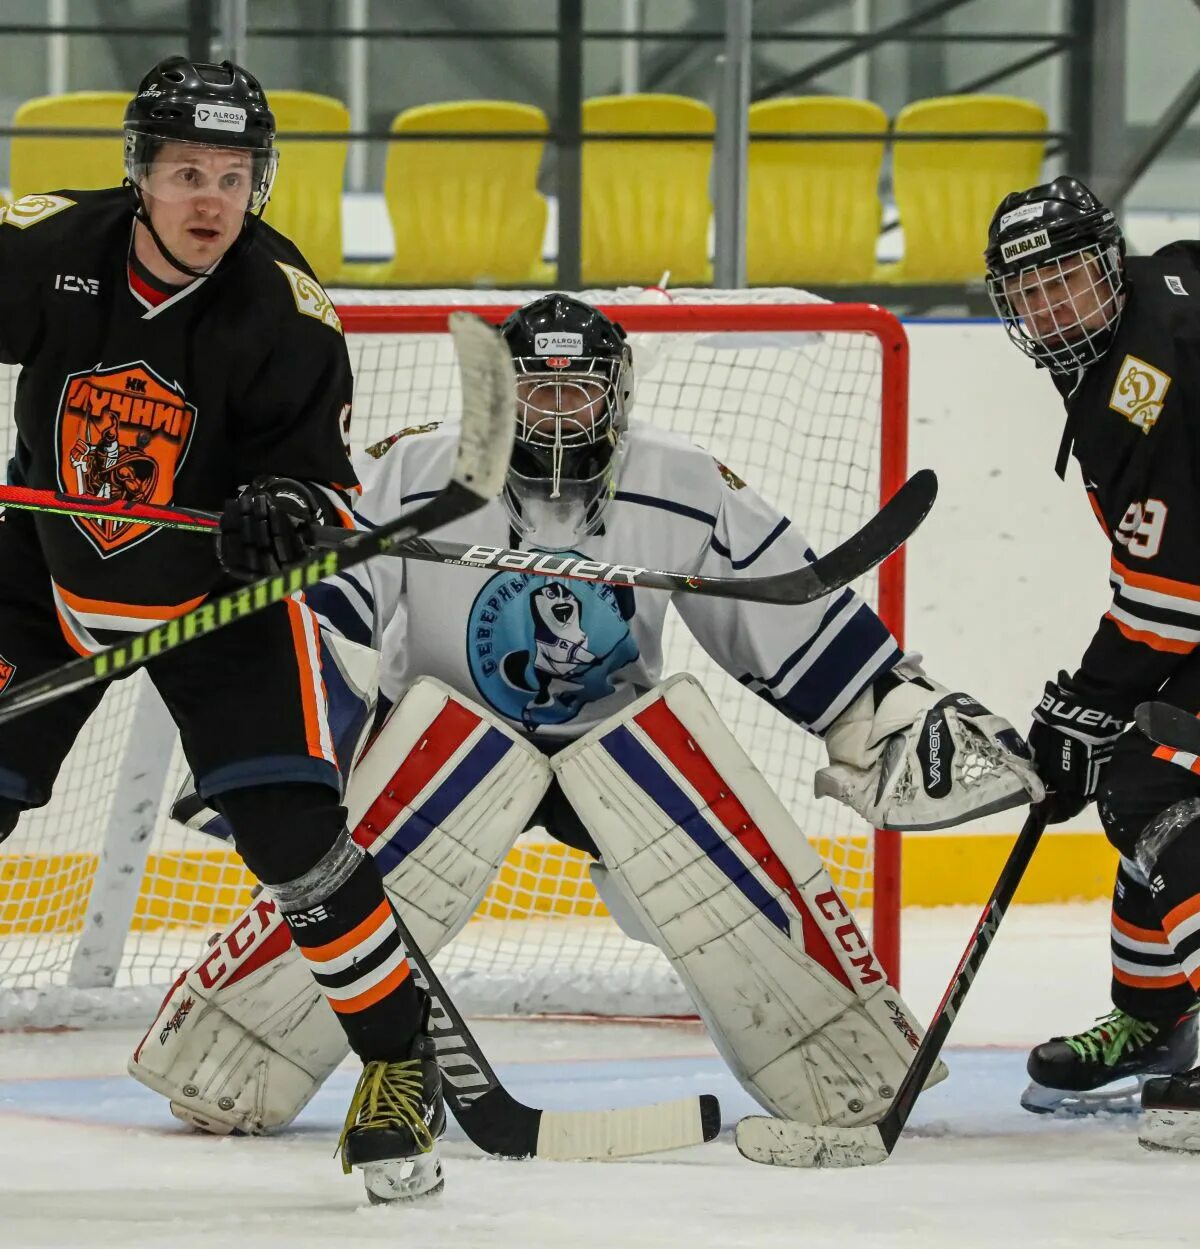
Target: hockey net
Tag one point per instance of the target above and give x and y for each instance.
(104, 899)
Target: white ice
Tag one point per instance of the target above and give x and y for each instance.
(89, 1158)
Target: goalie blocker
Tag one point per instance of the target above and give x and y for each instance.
(700, 854)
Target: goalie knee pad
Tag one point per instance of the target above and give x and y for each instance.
(715, 869)
(245, 1038)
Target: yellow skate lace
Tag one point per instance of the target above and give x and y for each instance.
(388, 1095)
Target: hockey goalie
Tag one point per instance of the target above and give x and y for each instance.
(508, 701)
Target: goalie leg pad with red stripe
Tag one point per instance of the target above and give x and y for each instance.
(245, 1038)
(724, 880)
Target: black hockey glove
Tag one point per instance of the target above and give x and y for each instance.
(268, 525)
(1071, 742)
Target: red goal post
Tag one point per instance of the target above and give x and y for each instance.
(804, 399)
(759, 318)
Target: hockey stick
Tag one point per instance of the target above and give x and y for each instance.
(883, 534)
(485, 442)
(1169, 725)
(499, 1124)
(784, 1143)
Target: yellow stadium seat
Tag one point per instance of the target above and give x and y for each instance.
(947, 191)
(40, 164)
(646, 205)
(306, 202)
(813, 208)
(466, 212)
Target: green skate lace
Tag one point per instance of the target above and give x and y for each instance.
(388, 1095)
(1110, 1037)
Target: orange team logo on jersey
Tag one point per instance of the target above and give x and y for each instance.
(7, 671)
(122, 435)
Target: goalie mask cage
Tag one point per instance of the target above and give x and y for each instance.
(104, 899)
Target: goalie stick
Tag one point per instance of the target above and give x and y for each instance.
(485, 442)
(785, 1143)
(882, 535)
(499, 1124)
(1169, 725)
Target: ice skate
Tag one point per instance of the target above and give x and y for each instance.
(1103, 1068)
(1171, 1113)
(395, 1121)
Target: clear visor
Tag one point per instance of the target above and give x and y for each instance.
(1062, 313)
(176, 170)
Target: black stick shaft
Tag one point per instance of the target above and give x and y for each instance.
(892, 1123)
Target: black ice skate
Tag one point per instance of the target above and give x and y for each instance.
(393, 1126)
(1104, 1067)
(1171, 1113)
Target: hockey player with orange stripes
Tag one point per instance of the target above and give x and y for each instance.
(175, 348)
(1120, 338)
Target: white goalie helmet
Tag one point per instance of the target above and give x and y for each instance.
(574, 372)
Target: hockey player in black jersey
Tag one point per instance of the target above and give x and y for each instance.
(1120, 339)
(175, 348)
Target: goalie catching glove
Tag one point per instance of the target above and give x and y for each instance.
(268, 525)
(910, 754)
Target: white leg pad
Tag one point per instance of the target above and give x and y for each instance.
(718, 872)
(245, 1038)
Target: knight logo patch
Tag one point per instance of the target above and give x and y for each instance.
(7, 672)
(1139, 392)
(122, 434)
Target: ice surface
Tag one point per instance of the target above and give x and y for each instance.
(87, 1157)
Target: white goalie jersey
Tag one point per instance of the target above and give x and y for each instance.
(556, 658)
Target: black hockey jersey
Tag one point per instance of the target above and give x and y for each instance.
(1136, 422)
(243, 372)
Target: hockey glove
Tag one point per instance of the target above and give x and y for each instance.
(267, 526)
(1071, 742)
(910, 754)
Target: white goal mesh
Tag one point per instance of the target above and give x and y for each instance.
(805, 400)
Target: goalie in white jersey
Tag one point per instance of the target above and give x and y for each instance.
(509, 700)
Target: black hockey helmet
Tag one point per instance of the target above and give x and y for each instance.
(1055, 259)
(215, 106)
(574, 371)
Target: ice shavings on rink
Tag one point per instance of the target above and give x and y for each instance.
(90, 1158)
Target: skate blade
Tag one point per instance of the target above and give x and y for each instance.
(1122, 1098)
(403, 1179)
(1170, 1131)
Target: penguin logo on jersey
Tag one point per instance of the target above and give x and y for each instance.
(539, 649)
(122, 434)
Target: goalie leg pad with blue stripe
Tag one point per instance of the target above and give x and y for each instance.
(245, 1038)
(722, 877)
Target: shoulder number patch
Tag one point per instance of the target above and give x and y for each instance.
(310, 297)
(1139, 392)
(377, 450)
(30, 209)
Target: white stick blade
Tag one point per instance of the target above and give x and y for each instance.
(782, 1143)
(586, 1135)
(489, 404)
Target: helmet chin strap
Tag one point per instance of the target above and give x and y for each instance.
(142, 213)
